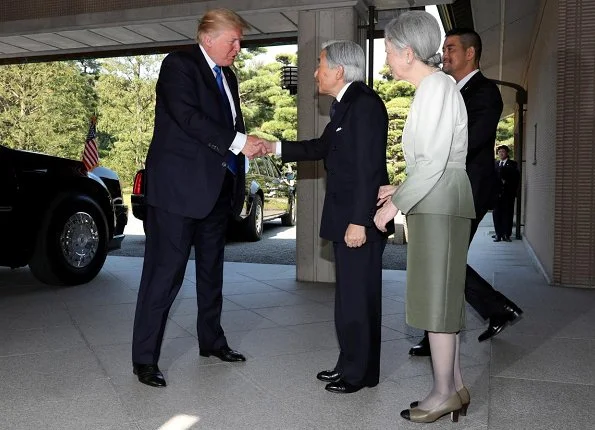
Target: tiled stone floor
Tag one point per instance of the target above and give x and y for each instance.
(65, 355)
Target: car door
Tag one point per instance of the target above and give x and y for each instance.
(252, 184)
(8, 193)
(277, 192)
(265, 185)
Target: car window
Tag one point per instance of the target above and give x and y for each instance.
(262, 167)
(272, 169)
(253, 168)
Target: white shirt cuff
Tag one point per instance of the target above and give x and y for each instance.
(238, 143)
(278, 149)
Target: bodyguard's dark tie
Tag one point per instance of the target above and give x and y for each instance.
(231, 158)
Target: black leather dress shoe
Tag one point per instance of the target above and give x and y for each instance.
(422, 349)
(498, 239)
(328, 376)
(498, 323)
(225, 353)
(507, 239)
(342, 387)
(149, 374)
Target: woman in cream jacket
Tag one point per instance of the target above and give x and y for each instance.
(436, 198)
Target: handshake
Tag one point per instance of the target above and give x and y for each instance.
(257, 147)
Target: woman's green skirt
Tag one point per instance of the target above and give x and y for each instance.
(436, 267)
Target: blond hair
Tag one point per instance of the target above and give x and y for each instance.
(220, 19)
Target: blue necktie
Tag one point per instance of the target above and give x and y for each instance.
(232, 162)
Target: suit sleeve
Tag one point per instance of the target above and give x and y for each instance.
(432, 128)
(177, 86)
(512, 177)
(369, 140)
(483, 111)
(305, 150)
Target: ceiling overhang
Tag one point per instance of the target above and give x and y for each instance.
(27, 33)
(158, 28)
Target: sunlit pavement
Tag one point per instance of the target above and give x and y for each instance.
(65, 354)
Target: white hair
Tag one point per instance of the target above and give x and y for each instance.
(348, 55)
(419, 31)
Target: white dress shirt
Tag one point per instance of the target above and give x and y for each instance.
(463, 81)
(240, 140)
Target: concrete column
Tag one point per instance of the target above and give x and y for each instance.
(315, 261)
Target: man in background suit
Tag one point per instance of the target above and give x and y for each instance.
(461, 54)
(195, 180)
(353, 147)
(508, 182)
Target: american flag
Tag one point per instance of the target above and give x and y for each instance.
(90, 154)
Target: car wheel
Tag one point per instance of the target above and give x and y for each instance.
(290, 217)
(72, 243)
(255, 220)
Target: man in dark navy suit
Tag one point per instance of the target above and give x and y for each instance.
(508, 182)
(353, 147)
(195, 180)
(461, 54)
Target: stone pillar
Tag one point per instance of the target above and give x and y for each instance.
(314, 260)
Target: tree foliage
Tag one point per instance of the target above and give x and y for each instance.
(126, 90)
(505, 133)
(45, 107)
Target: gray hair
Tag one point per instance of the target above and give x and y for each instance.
(349, 55)
(418, 30)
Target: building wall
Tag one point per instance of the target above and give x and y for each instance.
(574, 252)
(539, 154)
(13, 10)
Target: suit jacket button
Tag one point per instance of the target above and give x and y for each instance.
(224, 164)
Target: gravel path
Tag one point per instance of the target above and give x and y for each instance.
(276, 247)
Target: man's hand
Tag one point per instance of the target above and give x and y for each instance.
(386, 213)
(254, 147)
(271, 147)
(257, 147)
(355, 236)
(385, 192)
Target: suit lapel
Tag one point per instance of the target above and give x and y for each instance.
(232, 83)
(471, 82)
(343, 106)
(208, 77)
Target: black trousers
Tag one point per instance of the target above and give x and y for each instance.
(358, 311)
(479, 293)
(169, 238)
(503, 214)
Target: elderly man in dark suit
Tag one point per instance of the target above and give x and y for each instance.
(508, 182)
(195, 180)
(353, 147)
(461, 54)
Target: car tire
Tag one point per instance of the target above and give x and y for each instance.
(289, 218)
(72, 243)
(254, 222)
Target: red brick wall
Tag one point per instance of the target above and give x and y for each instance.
(574, 262)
